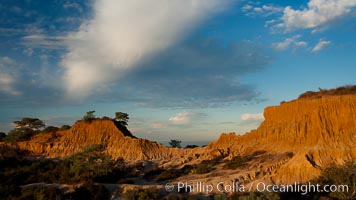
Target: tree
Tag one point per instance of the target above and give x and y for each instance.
(122, 117)
(24, 130)
(89, 116)
(18, 134)
(31, 123)
(175, 143)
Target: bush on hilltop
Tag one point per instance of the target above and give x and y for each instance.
(344, 90)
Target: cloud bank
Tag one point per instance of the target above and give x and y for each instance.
(196, 73)
(122, 34)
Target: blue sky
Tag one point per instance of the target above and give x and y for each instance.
(183, 70)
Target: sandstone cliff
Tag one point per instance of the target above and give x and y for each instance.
(120, 143)
(317, 131)
(299, 137)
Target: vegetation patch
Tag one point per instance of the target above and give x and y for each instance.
(89, 166)
(191, 146)
(160, 174)
(175, 143)
(344, 90)
(24, 130)
(339, 175)
(205, 166)
(235, 162)
(141, 194)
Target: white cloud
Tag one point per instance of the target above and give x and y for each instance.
(272, 9)
(186, 118)
(254, 9)
(122, 34)
(247, 7)
(318, 13)
(269, 22)
(280, 46)
(136, 129)
(8, 76)
(301, 44)
(181, 118)
(248, 116)
(6, 82)
(28, 52)
(45, 42)
(321, 45)
(158, 125)
(292, 42)
(73, 5)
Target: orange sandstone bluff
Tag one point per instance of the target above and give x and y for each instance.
(120, 143)
(297, 139)
(316, 132)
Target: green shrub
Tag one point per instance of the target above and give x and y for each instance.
(148, 194)
(175, 197)
(205, 166)
(235, 162)
(340, 175)
(40, 193)
(167, 175)
(89, 116)
(201, 169)
(187, 169)
(175, 143)
(50, 129)
(344, 90)
(212, 162)
(90, 191)
(17, 135)
(154, 172)
(220, 197)
(90, 163)
(141, 194)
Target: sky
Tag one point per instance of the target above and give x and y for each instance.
(187, 70)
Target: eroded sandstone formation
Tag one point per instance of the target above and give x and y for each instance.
(120, 143)
(317, 131)
(299, 137)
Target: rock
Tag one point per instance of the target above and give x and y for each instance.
(296, 140)
(318, 131)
